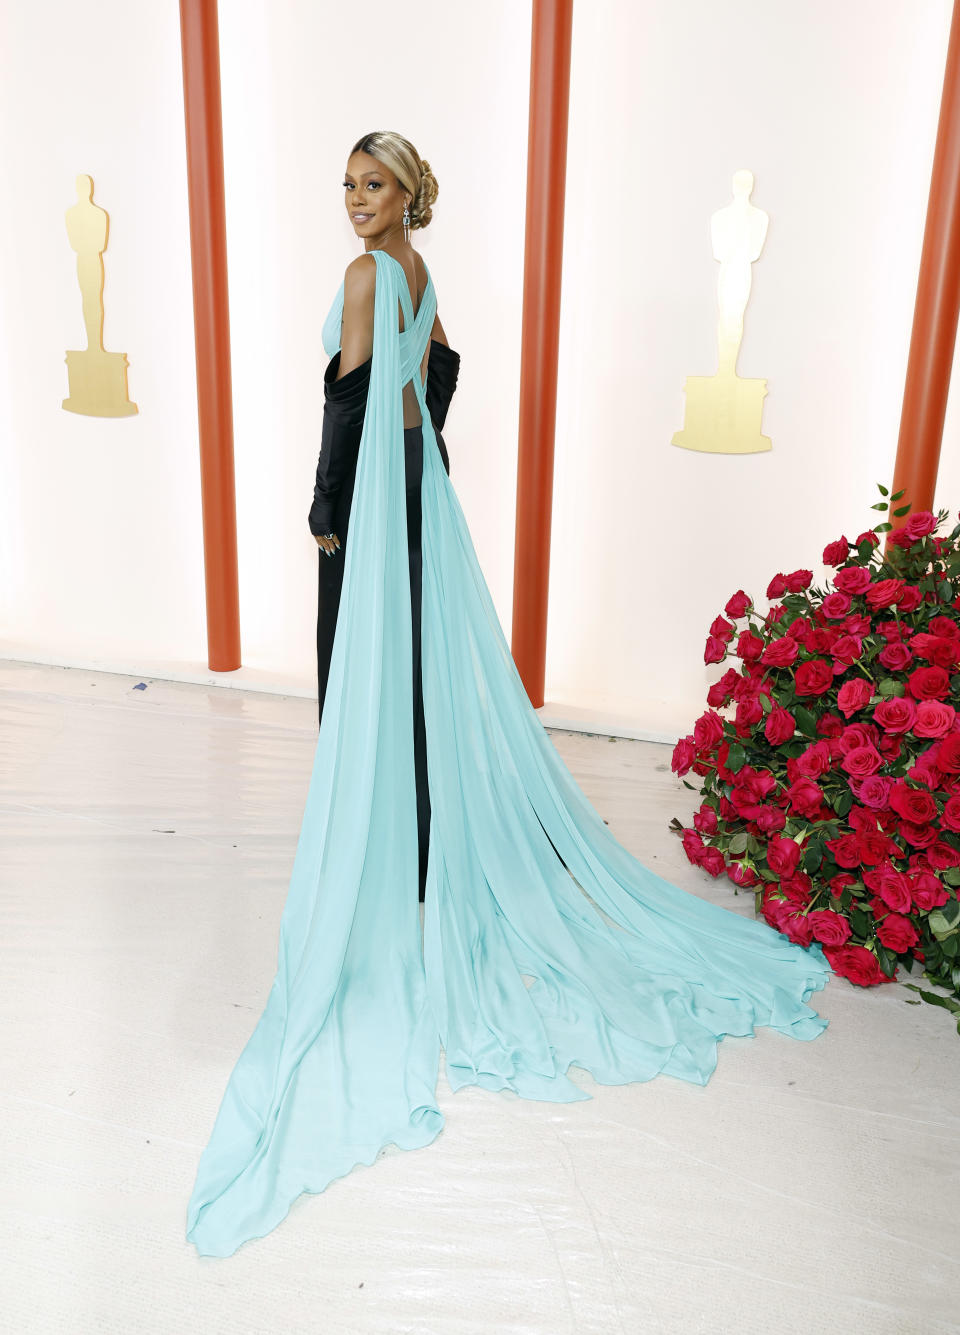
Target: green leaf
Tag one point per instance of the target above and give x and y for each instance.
(901, 511)
(935, 999)
(945, 590)
(888, 687)
(880, 505)
(813, 857)
(737, 758)
(844, 802)
(940, 925)
(806, 721)
(860, 922)
(738, 844)
(882, 489)
(897, 494)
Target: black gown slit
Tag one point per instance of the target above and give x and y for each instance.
(344, 404)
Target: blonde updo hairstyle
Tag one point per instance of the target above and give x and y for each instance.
(412, 171)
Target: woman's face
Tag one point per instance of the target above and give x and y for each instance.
(376, 195)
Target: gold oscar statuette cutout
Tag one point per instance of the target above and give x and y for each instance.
(98, 379)
(723, 411)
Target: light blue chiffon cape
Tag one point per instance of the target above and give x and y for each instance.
(518, 975)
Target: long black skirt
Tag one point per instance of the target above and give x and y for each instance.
(330, 584)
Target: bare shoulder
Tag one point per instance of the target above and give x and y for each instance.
(360, 278)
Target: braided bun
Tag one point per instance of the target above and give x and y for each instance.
(421, 210)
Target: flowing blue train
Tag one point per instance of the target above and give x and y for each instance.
(517, 975)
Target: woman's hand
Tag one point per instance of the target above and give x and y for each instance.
(328, 542)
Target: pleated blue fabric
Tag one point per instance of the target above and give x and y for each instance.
(517, 973)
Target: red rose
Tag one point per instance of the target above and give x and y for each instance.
(853, 695)
(920, 836)
(895, 657)
(861, 761)
(815, 677)
(720, 692)
(944, 626)
(715, 650)
(911, 600)
(885, 593)
(748, 713)
(798, 580)
(770, 820)
(814, 761)
(942, 650)
(777, 587)
(870, 536)
(749, 646)
(693, 846)
(829, 927)
(780, 653)
(783, 856)
(821, 639)
(805, 798)
(705, 819)
(897, 933)
(712, 861)
(847, 649)
(852, 579)
(857, 734)
(845, 850)
(742, 875)
(684, 754)
(779, 727)
(855, 963)
(708, 730)
(857, 625)
(873, 791)
(926, 891)
(738, 605)
(836, 605)
(829, 725)
(948, 754)
(929, 683)
(935, 718)
(896, 715)
(722, 629)
(875, 846)
(892, 886)
(919, 525)
(950, 816)
(913, 804)
(788, 918)
(835, 553)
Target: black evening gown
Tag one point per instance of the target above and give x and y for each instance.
(344, 403)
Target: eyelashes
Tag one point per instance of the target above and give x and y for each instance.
(371, 185)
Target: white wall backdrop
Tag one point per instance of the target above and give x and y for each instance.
(832, 107)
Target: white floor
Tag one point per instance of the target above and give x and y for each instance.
(147, 839)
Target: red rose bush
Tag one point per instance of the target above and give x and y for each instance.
(829, 755)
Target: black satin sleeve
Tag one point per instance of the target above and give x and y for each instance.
(344, 405)
(443, 367)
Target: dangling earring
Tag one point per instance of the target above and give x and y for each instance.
(406, 222)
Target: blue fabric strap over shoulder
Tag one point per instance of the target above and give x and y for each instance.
(345, 1057)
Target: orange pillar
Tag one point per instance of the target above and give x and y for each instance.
(542, 272)
(937, 307)
(199, 38)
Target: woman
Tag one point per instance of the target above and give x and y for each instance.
(544, 944)
(381, 211)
